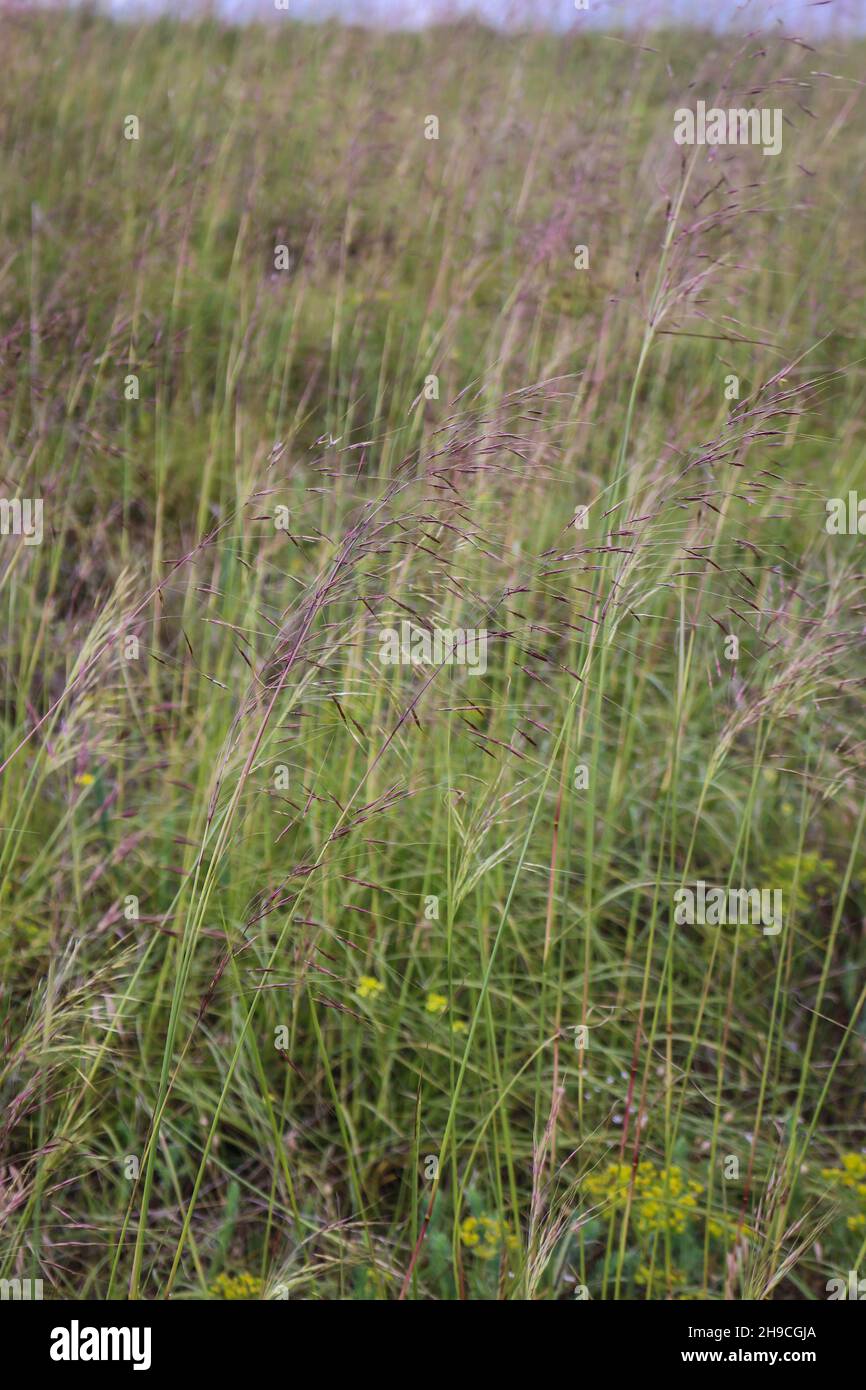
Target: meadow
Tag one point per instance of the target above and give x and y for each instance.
(331, 977)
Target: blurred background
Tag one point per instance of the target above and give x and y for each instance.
(818, 17)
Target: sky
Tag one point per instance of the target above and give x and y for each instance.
(798, 16)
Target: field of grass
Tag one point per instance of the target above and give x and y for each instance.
(329, 978)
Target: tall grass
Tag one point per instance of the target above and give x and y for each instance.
(363, 980)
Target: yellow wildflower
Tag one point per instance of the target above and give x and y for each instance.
(486, 1236)
(663, 1200)
(236, 1286)
(851, 1174)
(369, 987)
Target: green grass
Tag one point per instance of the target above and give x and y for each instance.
(223, 817)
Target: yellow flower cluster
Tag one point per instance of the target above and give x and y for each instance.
(436, 1003)
(851, 1175)
(663, 1199)
(236, 1286)
(369, 987)
(485, 1236)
